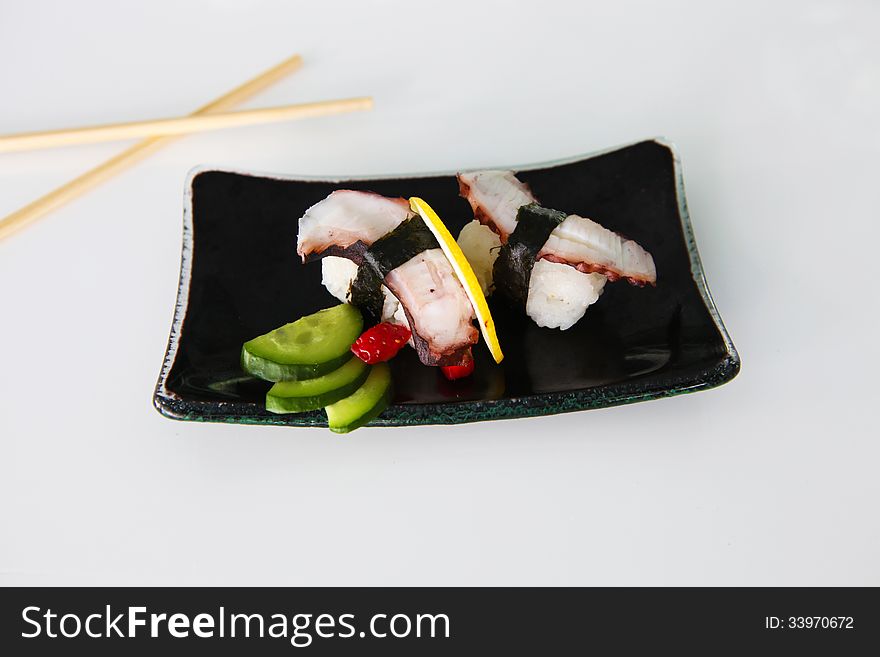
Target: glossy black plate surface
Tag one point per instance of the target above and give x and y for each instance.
(241, 277)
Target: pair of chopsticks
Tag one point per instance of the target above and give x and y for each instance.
(212, 116)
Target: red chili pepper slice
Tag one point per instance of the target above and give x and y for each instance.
(453, 372)
(380, 342)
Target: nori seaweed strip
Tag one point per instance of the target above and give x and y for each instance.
(366, 293)
(354, 252)
(388, 252)
(513, 267)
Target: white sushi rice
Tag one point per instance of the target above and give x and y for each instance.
(480, 246)
(337, 275)
(559, 294)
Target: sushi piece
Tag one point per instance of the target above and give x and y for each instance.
(550, 264)
(497, 196)
(385, 261)
(556, 295)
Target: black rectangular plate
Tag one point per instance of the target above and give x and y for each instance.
(240, 277)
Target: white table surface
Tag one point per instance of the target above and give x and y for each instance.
(770, 479)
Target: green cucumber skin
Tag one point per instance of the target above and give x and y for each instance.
(354, 368)
(383, 403)
(316, 338)
(271, 371)
(353, 411)
(301, 404)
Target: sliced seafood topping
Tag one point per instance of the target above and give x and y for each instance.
(348, 221)
(495, 196)
(592, 248)
(437, 308)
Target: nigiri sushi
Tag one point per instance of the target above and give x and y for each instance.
(551, 264)
(382, 258)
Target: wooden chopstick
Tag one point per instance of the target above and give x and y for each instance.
(180, 125)
(36, 209)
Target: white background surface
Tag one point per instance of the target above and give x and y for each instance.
(771, 479)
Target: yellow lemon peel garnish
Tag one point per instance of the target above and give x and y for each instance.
(464, 272)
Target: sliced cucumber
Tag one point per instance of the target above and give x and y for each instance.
(270, 371)
(307, 348)
(312, 394)
(365, 404)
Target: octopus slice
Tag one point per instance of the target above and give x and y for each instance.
(437, 308)
(593, 249)
(495, 196)
(348, 221)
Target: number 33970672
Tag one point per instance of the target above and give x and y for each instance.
(810, 622)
